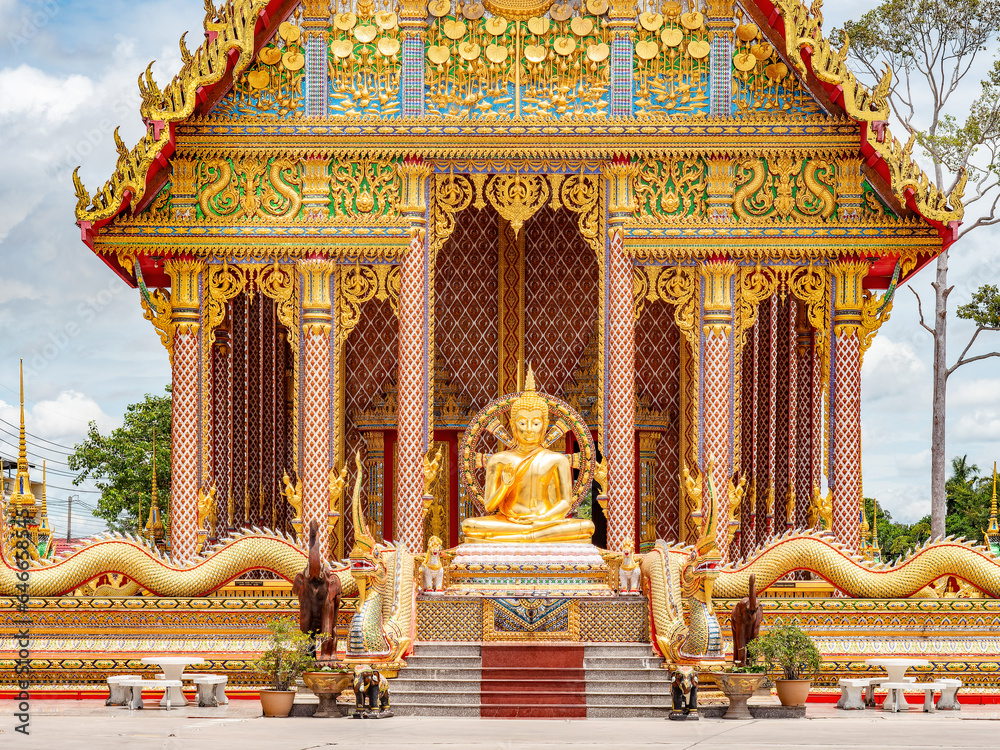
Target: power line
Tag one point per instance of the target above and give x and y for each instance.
(36, 437)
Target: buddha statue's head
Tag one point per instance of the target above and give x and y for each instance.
(529, 415)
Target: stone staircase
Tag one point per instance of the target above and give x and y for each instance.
(532, 680)
(625, 680)
(440, 679)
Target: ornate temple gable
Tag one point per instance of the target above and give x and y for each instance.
(292, 117)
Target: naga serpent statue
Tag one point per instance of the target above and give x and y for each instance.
(380, 575)
(684, 579)
(385, 624)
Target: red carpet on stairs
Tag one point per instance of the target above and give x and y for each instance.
(533, 681)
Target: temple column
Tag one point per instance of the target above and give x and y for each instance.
(619, 361)
(717, 384)
(720, 23)
(413, 25)
(621, 84)
(315, 23)
(413, 409)
(315, 410)
(185, 316)
(222, 420)
(845, 400)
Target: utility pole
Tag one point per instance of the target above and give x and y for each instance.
(69, 519)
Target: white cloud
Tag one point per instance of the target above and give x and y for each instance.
(891, 368)
(14, 289)
(979, 424)
(62, 420)
(914, 463)
(29, 93)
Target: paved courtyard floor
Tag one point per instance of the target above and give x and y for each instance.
(89, 725)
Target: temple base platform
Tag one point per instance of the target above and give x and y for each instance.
(509, 570)
(598, 619)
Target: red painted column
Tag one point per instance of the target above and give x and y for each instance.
(845, 411)
(619, 363)
(413, 407)
(315, 448)
(717, 388)
(185, 301)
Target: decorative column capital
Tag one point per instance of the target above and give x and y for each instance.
(413, 172)
(185, 294)
(850, 190)
(316, 316)
(315, 188)
(620, 173)
(720, 188)
(848, 294)
(718, 305)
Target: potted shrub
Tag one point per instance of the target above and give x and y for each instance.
(787, 647)
(288, 655)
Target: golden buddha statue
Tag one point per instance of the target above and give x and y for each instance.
(528, 488)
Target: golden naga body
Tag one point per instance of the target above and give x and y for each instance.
(529, 487)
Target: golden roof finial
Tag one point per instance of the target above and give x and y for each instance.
(154, 524)
(994, 527)
(22, 446)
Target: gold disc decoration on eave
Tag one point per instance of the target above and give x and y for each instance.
(518, 10)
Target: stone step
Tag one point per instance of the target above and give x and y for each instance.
(627, 712)
(419, 673)
(638, 698)
(407, 685)
(430, 709)
(640, 675)
(635, 662)
(434, 698)
(444, 662)
(424, 648)
(619, 650)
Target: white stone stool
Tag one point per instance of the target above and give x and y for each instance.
(851, 693)
(135, 687)
(949, 695)
(211, 689)
(117, 694)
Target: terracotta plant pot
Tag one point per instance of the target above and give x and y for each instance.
(792, 692)
(277, 702)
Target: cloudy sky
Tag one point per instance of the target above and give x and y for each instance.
(68, 78)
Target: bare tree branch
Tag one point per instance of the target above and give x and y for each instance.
(962, 360)
(920, 310)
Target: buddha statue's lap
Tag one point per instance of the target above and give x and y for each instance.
(528, 488)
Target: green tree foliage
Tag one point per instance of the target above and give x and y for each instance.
(120, 464)
(969, 498)
(946, 91)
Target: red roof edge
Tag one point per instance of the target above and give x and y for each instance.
(267, 25)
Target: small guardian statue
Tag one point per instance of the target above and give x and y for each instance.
(432, 571)
(629, 574)
(371, 694)
(684, 694)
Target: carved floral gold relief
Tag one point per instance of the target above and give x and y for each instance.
(672, 51)
(272, 85)
(364, 62)
(670, 190)
(250, 186)
(784, 187)
(762, 82)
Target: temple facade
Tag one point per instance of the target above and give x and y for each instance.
(354, 224)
